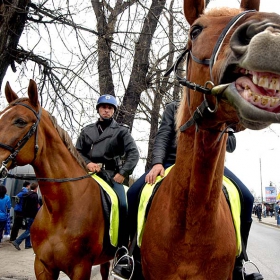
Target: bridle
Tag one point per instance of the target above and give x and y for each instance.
(204, 108)
(20, 144)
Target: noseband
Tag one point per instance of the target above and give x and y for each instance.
(20, 144)
(205, 90)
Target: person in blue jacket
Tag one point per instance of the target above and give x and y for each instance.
(18, 219)
(5, 206)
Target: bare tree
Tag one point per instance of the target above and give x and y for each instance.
(13, 17)
(78, 50)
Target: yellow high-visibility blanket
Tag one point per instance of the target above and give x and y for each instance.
(144, 200)
(234, 200)
(114, 214)
(235, 207)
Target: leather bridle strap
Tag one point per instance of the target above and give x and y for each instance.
(222, 37)
(203, 107)
(14, 151)
(54, 180)
(210, 62)
(183, 81)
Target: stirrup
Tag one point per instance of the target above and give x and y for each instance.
(243, 270)
(119, 253)
(118, 262)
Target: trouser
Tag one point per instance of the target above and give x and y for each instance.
(123, 226)
(26, 234)
(2, 227)
(16, 225)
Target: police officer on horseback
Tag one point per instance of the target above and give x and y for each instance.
(108, 145)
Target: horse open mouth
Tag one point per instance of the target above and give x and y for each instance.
(260, 89)
(255, 96)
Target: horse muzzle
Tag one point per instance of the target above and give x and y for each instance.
(251, 116)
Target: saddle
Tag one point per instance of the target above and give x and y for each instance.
(230, 191)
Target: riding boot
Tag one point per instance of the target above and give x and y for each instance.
(239, 270)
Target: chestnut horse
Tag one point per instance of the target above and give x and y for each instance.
(232, 79)
(68, 232)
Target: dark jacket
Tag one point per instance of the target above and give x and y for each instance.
(114, 143)
(32, 205)
(165, 146)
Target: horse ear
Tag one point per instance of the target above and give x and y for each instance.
(33, 93)
(250, 4)
(192, 9)
(10, 94)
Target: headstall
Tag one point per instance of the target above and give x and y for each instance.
(20, 144)
(209, 87)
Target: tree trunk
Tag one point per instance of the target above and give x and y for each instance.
(13, 16)
(138, 83)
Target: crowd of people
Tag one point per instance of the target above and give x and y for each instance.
(26, 207)
(263, 210)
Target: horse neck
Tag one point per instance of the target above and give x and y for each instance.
(199, 165)
(54, 160)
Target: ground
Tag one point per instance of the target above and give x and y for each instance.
(15, 264)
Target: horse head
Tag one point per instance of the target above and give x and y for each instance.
(234, 52)
(18, 125)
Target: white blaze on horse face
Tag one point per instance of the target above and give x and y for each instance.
(3, 114)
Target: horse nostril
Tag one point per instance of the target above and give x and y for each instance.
(243, 34)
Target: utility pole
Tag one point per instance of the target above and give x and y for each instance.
(261, 180)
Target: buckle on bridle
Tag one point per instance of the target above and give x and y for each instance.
(3, 171)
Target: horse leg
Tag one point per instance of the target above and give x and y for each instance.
(104, 270)
(42, 273)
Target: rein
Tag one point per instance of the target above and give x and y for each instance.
(204, 108)
(61, 180)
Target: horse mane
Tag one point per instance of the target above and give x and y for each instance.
(68, 142)
(181, 112)
(222, 11)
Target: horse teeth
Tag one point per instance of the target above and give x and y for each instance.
(256, 98)
(274, 101)
(255, 79)
(263, 82)
(264, 100)
(274, 84)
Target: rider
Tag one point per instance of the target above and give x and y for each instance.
(105, 144)
(108, 146)
(164, 155)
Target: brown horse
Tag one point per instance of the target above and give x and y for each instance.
(68, 232)
(189, 232)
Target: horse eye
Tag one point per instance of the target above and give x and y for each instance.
(196, 30)
(20, 122)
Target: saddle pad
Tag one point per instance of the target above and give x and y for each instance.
(144, 200)
(234, 201)
(114, 214)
